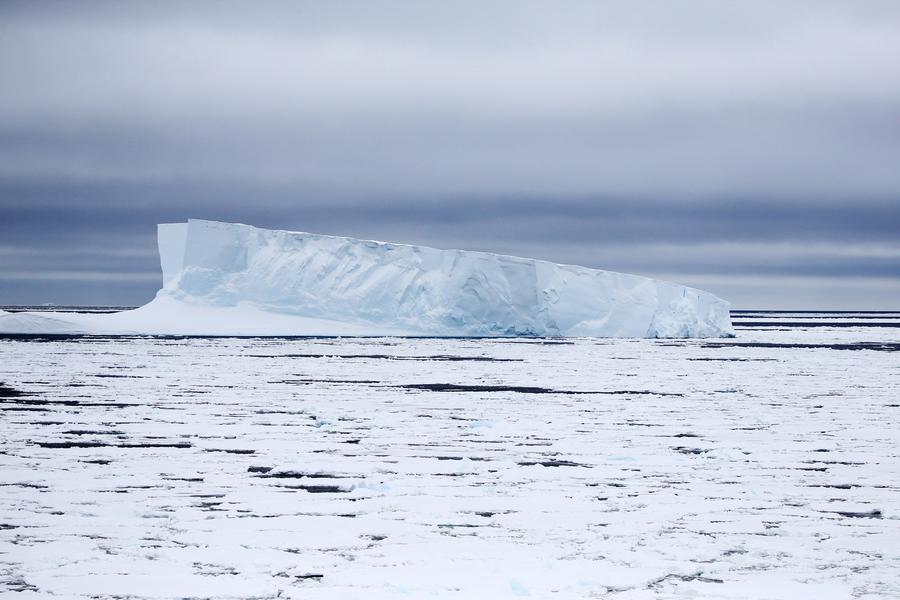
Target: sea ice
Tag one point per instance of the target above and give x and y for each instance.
(761, 468)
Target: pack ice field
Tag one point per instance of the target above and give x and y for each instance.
(764, 466)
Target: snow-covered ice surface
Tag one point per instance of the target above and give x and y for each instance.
(760, 467)
(232, 279)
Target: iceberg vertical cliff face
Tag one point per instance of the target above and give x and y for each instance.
(171, 238)
(380, 288)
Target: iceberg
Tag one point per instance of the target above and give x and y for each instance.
(234, 279)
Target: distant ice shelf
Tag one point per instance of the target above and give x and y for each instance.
(233, 279)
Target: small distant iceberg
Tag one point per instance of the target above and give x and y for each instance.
(233, 279)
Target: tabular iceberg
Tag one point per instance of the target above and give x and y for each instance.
(232, 279)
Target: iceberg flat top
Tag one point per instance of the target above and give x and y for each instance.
(233, 279)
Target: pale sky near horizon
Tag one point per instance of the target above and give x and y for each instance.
(748, 148)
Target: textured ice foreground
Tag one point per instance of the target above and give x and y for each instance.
(762, 467)
(223, 278)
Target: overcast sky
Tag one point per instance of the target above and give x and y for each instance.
(749, 148)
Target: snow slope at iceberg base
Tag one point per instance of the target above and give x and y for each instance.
(231, 279)
(167, 316)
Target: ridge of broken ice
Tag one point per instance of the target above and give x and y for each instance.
(230, 279)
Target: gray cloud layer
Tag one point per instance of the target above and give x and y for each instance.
(749, 147)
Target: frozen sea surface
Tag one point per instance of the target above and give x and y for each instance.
(766, 466)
